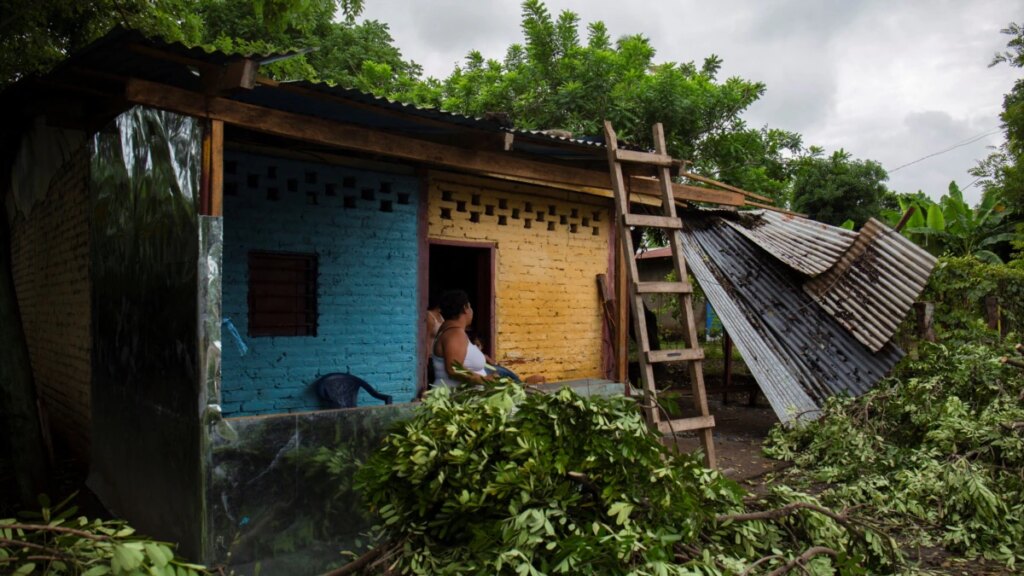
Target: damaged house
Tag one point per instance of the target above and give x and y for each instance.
(194, 245)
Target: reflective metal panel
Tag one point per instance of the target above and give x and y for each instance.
(145, 463)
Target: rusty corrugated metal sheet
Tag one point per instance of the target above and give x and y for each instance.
(805, 245)
(872, 286)
(799, 354)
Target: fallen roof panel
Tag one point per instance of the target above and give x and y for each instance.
(873, 285)
(797, 352)
(805, 245)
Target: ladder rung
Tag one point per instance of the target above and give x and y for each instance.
(687, 355)
(652, 158)
(686, 424)
(664, 288)
(652, 221)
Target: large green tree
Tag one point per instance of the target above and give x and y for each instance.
(837, 188)
(757, 160)
(338, 50)
(1003, 171)
(38, 34)
(557, 80)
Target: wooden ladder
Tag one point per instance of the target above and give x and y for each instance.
(693, 354)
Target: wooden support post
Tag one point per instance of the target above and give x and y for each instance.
(925, 320)
(727, 368)
(622, 302)
(211, 181)
(216, 168)
(992, 312)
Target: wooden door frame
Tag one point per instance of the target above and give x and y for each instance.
(491, 303)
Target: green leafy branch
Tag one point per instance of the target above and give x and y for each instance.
(58, 543)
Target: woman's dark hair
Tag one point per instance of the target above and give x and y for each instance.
(452, 303)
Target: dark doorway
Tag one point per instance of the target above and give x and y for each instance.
(469, 267)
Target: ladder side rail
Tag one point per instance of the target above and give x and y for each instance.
(626, 243)
(696, 366)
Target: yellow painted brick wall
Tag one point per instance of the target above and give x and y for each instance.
(50, 258)
(551, 245)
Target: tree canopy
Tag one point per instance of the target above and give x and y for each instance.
(836, 188)
(345, 51)
(556, 79)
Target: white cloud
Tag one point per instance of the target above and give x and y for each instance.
(888, 81)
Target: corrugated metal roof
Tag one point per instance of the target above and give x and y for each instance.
(397, 116)
(799, 354)
(873, 285)
(124, 53)
(805, 245)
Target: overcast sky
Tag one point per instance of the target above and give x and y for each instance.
(892, 81)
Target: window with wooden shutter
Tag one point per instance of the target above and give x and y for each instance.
(282, 294)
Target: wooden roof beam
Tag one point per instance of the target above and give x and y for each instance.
(349, 137)
(216, 79)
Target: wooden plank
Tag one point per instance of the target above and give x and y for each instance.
(664, 288)
(682, 355)
(206, 160)
(665, 187)
(686, 424)
(652, 221)
(622, 320)
(723, 185)
(698, 194)
(350, 137)
(607, 302)
(239, 73)
(650, 187)
(216, 168)
(653, 159)
(775, 209)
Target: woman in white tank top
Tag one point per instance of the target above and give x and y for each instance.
(452, 345)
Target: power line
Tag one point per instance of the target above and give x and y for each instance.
(953, 147)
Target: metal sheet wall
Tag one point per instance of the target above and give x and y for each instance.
(145, 467)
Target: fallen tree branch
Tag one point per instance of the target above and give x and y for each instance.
(786, 510)
(1011, 426)
(1016, 362)
(359, 563)
(14, 544)
(587, 484)
(60, 529)
(802, 559)
(750, 569)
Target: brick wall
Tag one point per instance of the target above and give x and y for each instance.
(551, 245)
(50, 257)
(363, 227)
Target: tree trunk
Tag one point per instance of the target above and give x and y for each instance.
(17, 389)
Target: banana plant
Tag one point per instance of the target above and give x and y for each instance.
(953, 227)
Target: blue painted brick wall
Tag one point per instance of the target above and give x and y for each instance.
(366, 290)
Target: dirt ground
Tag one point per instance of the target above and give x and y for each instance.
(740, 429)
